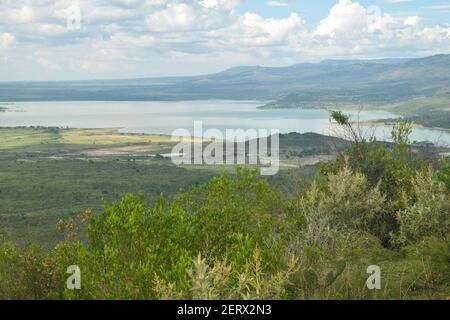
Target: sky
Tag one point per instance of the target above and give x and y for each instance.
(43, 40)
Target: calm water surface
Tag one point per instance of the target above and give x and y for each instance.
(165, 117)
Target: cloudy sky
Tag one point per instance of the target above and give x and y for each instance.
(92, 39)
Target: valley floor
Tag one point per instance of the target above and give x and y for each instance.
(49, 174)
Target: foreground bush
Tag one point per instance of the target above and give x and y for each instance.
(429, 213)
(236, 238)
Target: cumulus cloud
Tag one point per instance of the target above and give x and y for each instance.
(6, 40)
(252, 30)
(165, 37)
(348, 17)
(17, 14)
(350, 29)
(46, 64)
(412, 21)
(191, 16)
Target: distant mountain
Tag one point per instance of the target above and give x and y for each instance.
(331, 62)
(301, 85)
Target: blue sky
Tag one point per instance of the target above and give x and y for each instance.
(92, 39)
(432, 11)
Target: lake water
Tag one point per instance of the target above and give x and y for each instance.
(165, 117)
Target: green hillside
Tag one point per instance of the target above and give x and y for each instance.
(239, 237)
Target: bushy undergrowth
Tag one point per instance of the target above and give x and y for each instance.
(236, 237)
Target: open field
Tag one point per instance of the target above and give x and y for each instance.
(35, 193)
(70, 140)
(51, 173)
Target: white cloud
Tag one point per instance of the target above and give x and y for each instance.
(176, 17)
(165, 37)
(6, 40)
(227, 5)
(352, 30)
(348, 17)
(344, 17)
(206, 15)
(46, 64)
(17, 15)
(412, 21)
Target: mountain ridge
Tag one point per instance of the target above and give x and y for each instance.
(378, 81)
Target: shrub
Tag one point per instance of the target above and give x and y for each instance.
(133, 249)
(348, 202)
(429, 213)
(28, 274)
(443, 174)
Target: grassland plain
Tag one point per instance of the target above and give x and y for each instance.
(48, 174)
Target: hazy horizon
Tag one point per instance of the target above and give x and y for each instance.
(128, 39)
(230, 68)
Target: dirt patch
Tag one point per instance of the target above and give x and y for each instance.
(101, 152)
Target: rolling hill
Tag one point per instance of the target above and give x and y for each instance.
(347, 82)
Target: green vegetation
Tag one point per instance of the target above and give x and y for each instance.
(431, 112)
(415, 106)
(432, 119)
(35, 194)
(53, 173)
(238, 237)
(49, 174)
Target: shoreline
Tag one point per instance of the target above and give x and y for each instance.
(383, 121)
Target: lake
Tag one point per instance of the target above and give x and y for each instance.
(165, 117)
